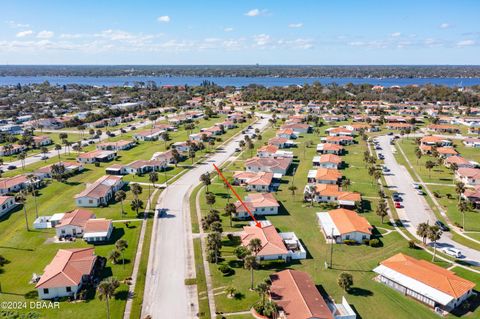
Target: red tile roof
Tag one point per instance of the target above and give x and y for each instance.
(272, 243)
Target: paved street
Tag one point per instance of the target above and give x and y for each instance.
(416, 209)
(171, 257)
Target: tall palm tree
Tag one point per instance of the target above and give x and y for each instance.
(255, 245)
(120, 196)
(44, 151)
(121, 245)
(22, 157)
(136, 189)
(58, 148)
(137, 204)
(152, 177)
(21, 198)
(422, 231)
(459, 189)
(263, 289)
(434, 233)
(250, 263)
(230, 209)
(31, 187)
(106, 290)
(462, 208)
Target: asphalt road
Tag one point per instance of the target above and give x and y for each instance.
(415, 208)
(171, 258)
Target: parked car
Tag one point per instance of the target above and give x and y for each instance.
(44, 157)
(10, 167)
(420, 192)
(442, 226)
(398, 205)
(390, 133)
(451, 252)
(416, 186)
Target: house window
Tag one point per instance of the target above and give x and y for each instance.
(69, 289)
(90, 201)
(45, 291)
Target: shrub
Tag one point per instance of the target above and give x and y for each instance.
(225, 269)
(349, 242)
(366, 241)
(436, 194)
(374, 243)
(449, 196)
(411, 244)
(230, 237)
(458, 225)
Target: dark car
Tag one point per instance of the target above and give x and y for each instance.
(390, 133)
(10, 167)
(442, 226)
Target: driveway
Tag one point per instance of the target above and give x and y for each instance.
(415, 208)
(171, 257)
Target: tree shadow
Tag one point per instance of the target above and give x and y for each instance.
(117, 233)
(121, 295)
(235, 263)
(360, 292)
(33, 294)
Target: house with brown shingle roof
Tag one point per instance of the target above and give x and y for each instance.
(344, 224)
(459, 161)
(424, 281)
(68, 271)
(443, 128)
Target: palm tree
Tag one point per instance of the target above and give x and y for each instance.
(418, 154)
(120, 196)
(422, 231)
(459, 189)
(381, 209)
(210, 199)
(31, 187)
(113, 256)
(21, 197)
(263, 289)
(22, 157)
(136, 189)
(292, 188)
(250, 263)
(345, 183)
(121, 245)
(44, 151)
(462, 208)
(137, 204)
(106, 289)
(206, 179)
(230, 209)
(58, 148)
(429, 165)
(434, 233)
(152, 177)
(255, 245)
(230, 291)
(191, 154)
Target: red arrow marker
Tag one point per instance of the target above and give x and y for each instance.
(257, 223)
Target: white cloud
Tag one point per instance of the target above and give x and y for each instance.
(25, 33)
(465, 43)
(395, 34)
(164, 19)
(261, 39)
(13, 24)
(445, 25)
(253, 13)
(45, 34)
(228, 29)
(295, 25)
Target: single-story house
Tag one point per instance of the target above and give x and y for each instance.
(331, 193)
(68, 167)
(43, 140)
(273, 152)
(286, 133)
(200, 137)
(471, 142)
(435, 141)
(443, 128)
(399, 126)
(459, 161)
(73, 223)
(6, 204)
(17, 183)
(69, 270)
(15, 149)
(472, 195)
(468, 176)
(344, 224)
(97, 230)
(152, 134)
(258, 204)
(424, 281)
(323, 176)
(100, 192)
(96, 156)
(329, 148)
(298, 128)
(145, 166)
(116, 146)
(339, 131)
(331, 161)
(116, 169)
(272, 165)
(281, 142)
(297, 297)
(259, 181)
(446, 152)
(339, 140)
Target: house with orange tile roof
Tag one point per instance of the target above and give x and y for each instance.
(273, 151)
(72, 223)
(298, 128)
(97, 230)
(297, 297)
(7, 203)
(446, 152)
(339, 140)
(443, 128)
(17, 183)
(254, 181)
(329, 148)
(399, 126)
(259, 204)
(323, 176)
(357, 127)
(100, 192)
(424, 281)
(287, 133)
(271, 165)
(145, 166)
(432, 140)
(42, 140)
(339, 131)
(472, 195)
(344, 224)
(116, 146)
(68, 271)
(69, 167)
(331, 193)
(281, 142)
(330, 161)
(152, 134)
(96, 156)
(274, 245)
(458, 161)
(468, 176)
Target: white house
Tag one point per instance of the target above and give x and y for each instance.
(423, 281)
(73, 223)
(343, 224)
(468, 176)
(96, 156)
(69, 270)
(100, 192)
(260, 181)
(97, 230)
(6, 204)
(149, 135)
(259, 204)
(272, 165)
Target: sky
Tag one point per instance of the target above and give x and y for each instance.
(240, 32)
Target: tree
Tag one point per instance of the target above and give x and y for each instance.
(58, 148)
(113, 256)
(191, 154)
(250, 263)
(210, 199)
(418, 154)
(263, 289)
(152, 177)
(216, 227)
(434, 233)
(241, 252)
(121, 245)
(106, 290)
(292, 188)
(31, 188)
(21, 198)
(462, 208)
(120, 196)
(345, 281)
(382, 209)
(422, 231)
(136, 205)
(136, 189)
(230, 291)
(255, 245)
(345, 183)
(22, 157)
(44, 151)
(206, 179)
(429, 165)
(459, 189)
(230, 210)
(214, 244)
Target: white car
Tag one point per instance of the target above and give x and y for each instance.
(416, 186)
(451, 252)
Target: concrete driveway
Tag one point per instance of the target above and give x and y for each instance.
(415, 208)
(171, 257)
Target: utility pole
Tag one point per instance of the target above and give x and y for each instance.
(331, 251)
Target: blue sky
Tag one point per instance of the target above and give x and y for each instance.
(240, 32)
